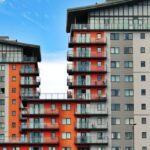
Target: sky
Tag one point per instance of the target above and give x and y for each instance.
(42, 22)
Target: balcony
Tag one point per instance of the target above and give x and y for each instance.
(18, 60)
(30, 141)
(29, 72)
(41, 113)
(39, 126)
(91, 111)
(86, 41)
(91, 140)
(91, 126)
(83, 83)
(30, 83)
(29, 95)
(71, 69)
(81, 56)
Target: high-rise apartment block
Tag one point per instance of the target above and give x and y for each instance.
(107, 103)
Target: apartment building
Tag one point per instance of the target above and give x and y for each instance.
(106, 105)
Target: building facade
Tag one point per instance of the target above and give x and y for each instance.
(106, 105)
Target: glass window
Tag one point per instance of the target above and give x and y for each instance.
(128, 50)
(143, 106)
(116, 148)
(144, 135)
(115, 92)
(66, 107)
(2, 102)
(66, 148)
(2, 78)
(114, 36)
(99, 77)
(143, 120)
(128, 135)
(128, 92)
(115, 64)
(128, 36)
(143, 91)
(128, 64)
(144, 148)
(143, 78)
(66, 135)
(128, 78)
(115, 121)
(66, 121)
(116, 135)
(142, 35)
(115, 107)
(115, 78)
(129, 121)
(143, 64)
(115, 50)
(142, 50)
(129, 107)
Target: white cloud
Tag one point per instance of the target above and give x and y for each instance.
(53, 76)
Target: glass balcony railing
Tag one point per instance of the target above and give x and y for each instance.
(91, 140)
(30, 95)
(40, 112)
(112, 26)
(71, 54)
(18, 140)
(30, 83)
(39, 126)
(16, 59)
(72, 68)
(29, 71)
(81, 83)
(91, 125)
(91, 111)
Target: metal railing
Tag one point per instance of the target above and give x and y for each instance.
(72, 54)
(40, 126)
(91, 140)
(17, 140)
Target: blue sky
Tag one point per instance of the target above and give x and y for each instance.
(42, 22)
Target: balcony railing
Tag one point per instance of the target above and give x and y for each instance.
(91, 125)
(29, 71)
(40, 112)
(10, 140)
(72, 83)
(71, 54)
(111, 26)
(30, 95)
(91, 111)
(90, 40)
(72, 68)
(91, 140)
(30, 83)
(40, 126)
(15, 59)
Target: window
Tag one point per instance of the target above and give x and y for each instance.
(129, 121)
(2, 78)
(116, 135)
(13, 78)
(128, 50)
(128, 36)
(66, 135)
(13, 125)
(128, 107)
(66, 106)
(13, 101)
(2, 113)
(2, 67)
(13, 90)
(115, 64)
(53, 106)
(99, 64)
(128, 78)
(52, 148)
(13, 67)
(53, 120)
(1, 125)
(66, 121)
(115, 121)
(128, 64)
(99, 50)
(2, 102)
(143, 78)
(144, 148)
(128, 92)
(143, 120)
(142, 35)
(143, 106)
(116, 148)
(114, 36)
(115, 78)
(115, 107)
(4, 148)
(99, 92)
(143, 91)
(13, 136)
(115, 50)
(15, 148)
(128, 148)
(99, 36)
(144, 135)
(2, 90)
(66, 148)
(142, 50)
(99, 77)
(13, 113)
(128, 135)
(143, 64)
(115, 92)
